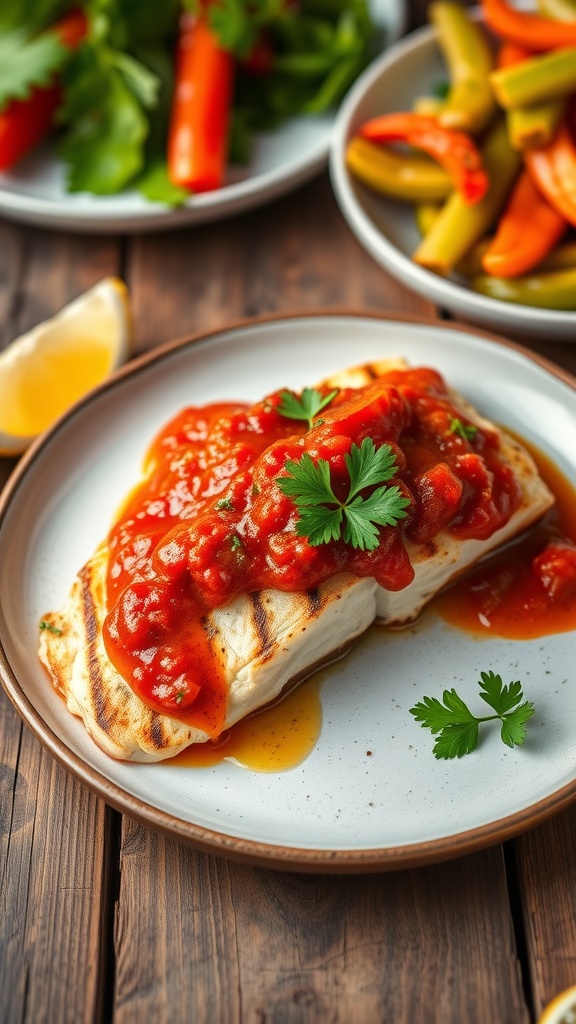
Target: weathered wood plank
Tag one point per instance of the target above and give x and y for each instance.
(53, 846)
(546, 865)
(210, 941)
(266, 262)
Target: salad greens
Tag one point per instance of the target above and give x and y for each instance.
(117, 85)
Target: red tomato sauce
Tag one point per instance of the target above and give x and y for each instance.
(529, 589)
(209, 522)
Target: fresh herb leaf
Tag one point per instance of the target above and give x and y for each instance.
(441, 90)
(226, 504)
(155, 185)
(464, 430)
(322, 517)
(456, 728)
(235, 542)
(27, 62)
(51, 629)
(305, 407)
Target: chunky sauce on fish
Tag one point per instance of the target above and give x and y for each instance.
(210, 523)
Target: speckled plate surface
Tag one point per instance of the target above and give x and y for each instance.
(339, 810)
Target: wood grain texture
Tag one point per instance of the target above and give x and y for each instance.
(265, 262)
(546, 866)
(235, 944)
(53, 832)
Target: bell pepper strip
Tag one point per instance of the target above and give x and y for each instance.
(532, 31)
(542, 77)
(563, 257)
(24, 123)
(200, 115)
(470, 105)
(425, 214)
(455, 151)
(528, 229)
(411, 177)
(529, 127)
(553, 171)
(559, 10)
(459, 225)
(553, 290)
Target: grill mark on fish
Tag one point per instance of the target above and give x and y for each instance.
(261, 623)
(157, 734)
(97, 683)
(371, 371)
(314, 601)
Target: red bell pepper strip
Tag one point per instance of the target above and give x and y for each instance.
(198, 134)
(531, 31)
(510, 54)
(24, 123)
(553, 171)
(527, 231)
(455, 151)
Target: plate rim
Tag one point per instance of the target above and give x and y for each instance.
(248, 851)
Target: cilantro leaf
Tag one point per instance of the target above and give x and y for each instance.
(28, 62)
(456, 728)
(155, 185)
(322, 517)
(305, 407)
(465, 430)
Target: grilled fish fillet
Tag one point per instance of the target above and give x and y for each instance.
(264, 642)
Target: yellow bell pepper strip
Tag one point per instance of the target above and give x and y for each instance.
(411, 177)
(470, 105)
(459, 225)
(529, 127)
(553, 171)
(527, 231)
(560, 10)
(530, 30)
(425, 214)
(540, 78)
(553, 290)
(455, 151)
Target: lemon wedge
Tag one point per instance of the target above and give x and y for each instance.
(43, 372)
(562, 1009)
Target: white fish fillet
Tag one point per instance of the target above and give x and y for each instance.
(264, 642)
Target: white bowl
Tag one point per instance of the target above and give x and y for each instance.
(386, 228)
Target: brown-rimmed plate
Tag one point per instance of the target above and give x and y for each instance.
(342, 809)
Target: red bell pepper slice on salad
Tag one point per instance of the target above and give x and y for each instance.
(198, 134)
(24, 123)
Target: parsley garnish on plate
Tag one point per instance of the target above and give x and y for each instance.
(51, 629)
(323, 517)
(457, 728)
(306, 407)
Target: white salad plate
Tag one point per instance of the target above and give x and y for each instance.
(386, 227)
(35, 191)
(342, 808)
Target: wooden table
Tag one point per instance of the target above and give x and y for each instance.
(103, 920)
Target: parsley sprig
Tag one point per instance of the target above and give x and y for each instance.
(457, 728)
(323, 517)
(306, 407)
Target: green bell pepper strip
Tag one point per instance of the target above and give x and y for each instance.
(553, 290)
(536, 80)
(459, 225)
(533, 127)
(470, 105)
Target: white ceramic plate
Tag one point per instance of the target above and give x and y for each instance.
(35, 191)
(340, 809)
(386, 228)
